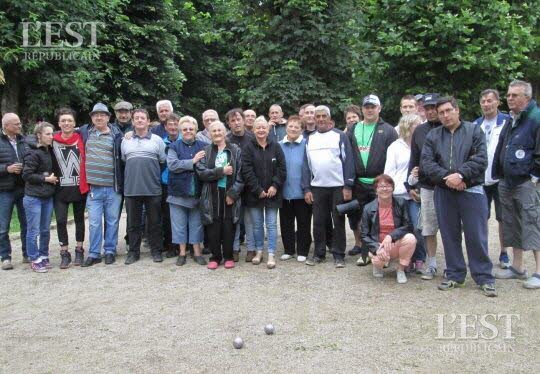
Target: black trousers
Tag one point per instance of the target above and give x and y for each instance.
(325, 200)
(61, 213)
(220, 233)
(300, 241)
(166, 218)
(152, 206)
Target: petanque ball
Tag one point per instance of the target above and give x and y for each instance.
(269, 329)
(238, 343)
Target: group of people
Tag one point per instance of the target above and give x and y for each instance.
(208, 191)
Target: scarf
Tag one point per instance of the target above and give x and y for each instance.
(76, 138)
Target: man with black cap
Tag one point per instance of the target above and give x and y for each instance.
(370, 139)
(428, 222)
(122, 112)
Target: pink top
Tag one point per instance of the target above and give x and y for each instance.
(386, 221)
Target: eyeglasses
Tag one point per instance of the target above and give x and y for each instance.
(186, 129)
(384, 187)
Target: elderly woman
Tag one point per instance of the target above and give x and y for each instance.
(184, 190)
(220, 173)
(294, 207)
(386, 229)
(264, 171)
(69, 166)
(39, 189)
(397, 165)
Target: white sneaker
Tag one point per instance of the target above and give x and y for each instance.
(401, 277)
(6, 265)
(285, 257)
(301, 258)
(377, 273)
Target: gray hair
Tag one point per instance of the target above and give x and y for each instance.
(188, 119)
(164, 102)
(209, 111)
(260, 119)
(7, 118)
(323, 108)
(219, 124)
(492, 91)
(526, 86)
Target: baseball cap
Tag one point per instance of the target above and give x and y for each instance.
(371, 100)
(431, 98)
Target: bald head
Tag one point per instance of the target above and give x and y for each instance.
(11, 124)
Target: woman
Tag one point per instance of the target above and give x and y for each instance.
(264, 172)
(386, 229)
(397, 165)
(219, 171)
(39, 189)
(294, 207)
(353, 115)
(69, 166)
(184, 190)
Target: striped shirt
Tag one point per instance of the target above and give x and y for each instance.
(100, 158)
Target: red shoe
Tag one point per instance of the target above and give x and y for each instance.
(213, 265)
(229, 264)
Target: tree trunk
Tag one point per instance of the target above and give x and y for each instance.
(10, 90)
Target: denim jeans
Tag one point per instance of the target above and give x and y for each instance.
(245, 218)
(8, 200)
(184, 219)
(261, 217)
(38, 218)
(414, 213)
(103, 202)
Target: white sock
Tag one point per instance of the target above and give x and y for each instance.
(432, 261)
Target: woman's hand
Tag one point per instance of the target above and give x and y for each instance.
(228, 170)
(271, 192)
(51, 179)
(199, 156)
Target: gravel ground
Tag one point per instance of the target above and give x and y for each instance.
(160, 318)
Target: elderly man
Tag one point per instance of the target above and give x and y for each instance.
(208, 116)
(104, 174)
(517, 165)
(122, 112)
(249, 117)
(13, 147)
(454, 158)
(163, 109)
(277, 123)
(327, 181)
(143, 154)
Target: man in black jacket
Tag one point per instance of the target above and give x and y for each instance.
(454, 159)
(13, 147)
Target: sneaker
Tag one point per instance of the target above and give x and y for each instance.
(504, 260)
(200, 260)
(258, 258)
(510, 273)
(7, 265)
(236, 256)
(213, 265)
(301, 258)
(364, 260)
(489, 290)
(229, 264)
(271, 262)
(46, 262)
(533, 282)
(250, 255)
(419, 267)
(285, 257)
(312, 261)
(401, 277)
(448, 285)
(377, 272)
(79, 256)
(65, 259)
(25, 260)
(181, 261)
(110, 259)
(339, 263)
(39, 266)
(429, 273)
(355, 251)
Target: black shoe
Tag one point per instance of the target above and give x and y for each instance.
(181, 261)
(91, 261)
(131, 258)
(79, 257)
(25, 260)
(172, 252)
(110, 259)
(206, 251)
(200, 260)
(66, 259)
(355, 251)
(312, 261)
(189, 248)
(339, 263)
(157, 257)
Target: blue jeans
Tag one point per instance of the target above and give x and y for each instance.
(184, 219)
(245, 218)
(259, 218)
(8, 200)
(414, 213)
(38, 218)
(103, 202)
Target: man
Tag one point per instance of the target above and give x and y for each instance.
(104, 174)
(13, 148)
(239, 136)
(208, 116)
(428, 217)
(163, 109)
(277, 123)
(517, 164)
(143, 154)
(327, 181)
(307, 116)
(369, 139)
(492, 123)
(420, 106)
(408, 105)
(249, 117)
(122, 112)
(454, 158)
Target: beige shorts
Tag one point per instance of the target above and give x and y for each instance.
(428, 223)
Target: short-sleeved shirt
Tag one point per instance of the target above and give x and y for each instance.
(363, 133)
(100, 158)
(221, 162)
(386, 222)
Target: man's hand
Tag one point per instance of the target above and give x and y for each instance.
(347, 194)
(271, 192)
(229, 200)
(51, 179)
(308, 197)
(198, 156)
(14, 168)
(228, 170)
(453, 181)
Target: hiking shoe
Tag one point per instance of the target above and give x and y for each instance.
(401, 278)
(7, 265)
(489, 290)
(533, 282)
(79, 256)
(91, 261)
(236, 256)
(312, 261)
(448, 285)
(510, 273)
(364, 260)
(229, 264)
(339, 263)
(200, 260)
(355, 251)
(213, 265)
(271, 262)
(131, 258)
(429, 273)
(301, 258)
(65, 259)
(181, 261)
(504, 260)
(110, 259)
(377, 272)
(285, 257)
(250, 255)
(39, 266)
